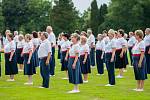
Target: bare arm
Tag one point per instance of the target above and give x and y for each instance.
(75, 61)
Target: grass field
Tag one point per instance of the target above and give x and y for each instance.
(94, 90)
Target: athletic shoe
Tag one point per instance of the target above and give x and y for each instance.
(109, 85)
(74, 91)
(28, 83)
(119, 76)
(10, 80)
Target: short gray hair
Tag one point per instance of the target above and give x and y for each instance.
(45, 34)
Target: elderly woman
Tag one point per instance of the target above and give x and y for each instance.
(110, 50)
(139, 60)
(10, 58)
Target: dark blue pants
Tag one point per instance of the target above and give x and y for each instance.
(44, 69)
(110, 68)
(92, 56)
(52, 62)
(130, 53)
(99, 61)
(147, 59)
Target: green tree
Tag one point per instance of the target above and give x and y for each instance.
(94, 22)
(64, 16)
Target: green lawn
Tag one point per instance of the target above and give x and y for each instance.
(94, 90)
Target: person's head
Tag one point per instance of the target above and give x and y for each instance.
(89, 32)
(116, 34)
(28, 37)
(49, 29)
(111, 34)
(100, 37)
(10, 37)
(83, 33)
(77, 31)
(147, 31)
(120, 33)
(75, 38)
(21, 37)
(131, 34)
(139, 34)
(83, 40)
(15, 33)
(35, 34)
(44, 35)
(125, 36)
(65, 36)
(104, 33)
(7, 32)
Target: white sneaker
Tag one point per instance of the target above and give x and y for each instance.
(10, 80)
(135, 89)
(85, 81)
(125, 71)
(74, 91)
(131, 66)
(92, 66)
(119, 76)
(20, 70)
(139, 90)
(41, 87)
(65, 78)
(28, 83)
(109, 85)
(98, 74)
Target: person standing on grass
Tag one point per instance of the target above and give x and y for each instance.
(44, 54)
(59, 45)
(36, 42)
(91, 43)
(52, 39)
(10, 58)
(84, 58)
(110, 50)
(28, 59)
(139, 61)
(100, 46)
(147, 50)
(74, 70)
(131, 43)
(20, 46)
(120, 53)
(65, 46)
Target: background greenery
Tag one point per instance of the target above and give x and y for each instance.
(30, 15)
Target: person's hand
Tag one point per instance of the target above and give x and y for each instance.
(121, 55)
(84, 61)
(112, 60)
(66, 58)
(47, 62)
(139, 64)
(149, 51)
(21, 54)
(28, 62)
(73, 66)
(101, 57)
(10, 59)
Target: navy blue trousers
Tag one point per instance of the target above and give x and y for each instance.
(59, 52)
(92, 56)
(99, 61)
(110, 68)
(44, 70)
(52, 62)
(147, 59)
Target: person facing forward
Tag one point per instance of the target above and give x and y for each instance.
(74, 70)
(28, 60)
(44, 54)
(52, 39)
(20, 45)
(100, 46)
(10, 58)
(139, 60)
(110, 50)
(84, 58)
